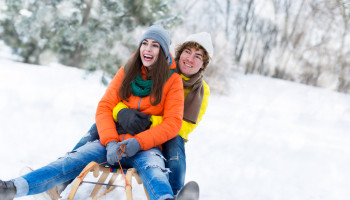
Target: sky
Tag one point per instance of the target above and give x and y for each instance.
(267, 139)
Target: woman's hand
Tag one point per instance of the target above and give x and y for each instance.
(112, 152)
(132, 146)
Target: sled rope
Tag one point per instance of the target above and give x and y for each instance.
(120, 152)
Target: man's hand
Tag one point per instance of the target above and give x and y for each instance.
(133, 121)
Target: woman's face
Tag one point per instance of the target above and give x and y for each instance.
(149, 51)
(191, 61)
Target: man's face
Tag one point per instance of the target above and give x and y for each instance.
(191, 61)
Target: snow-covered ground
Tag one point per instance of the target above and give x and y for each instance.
(268, 139)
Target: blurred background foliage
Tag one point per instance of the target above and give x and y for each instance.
(305, 41)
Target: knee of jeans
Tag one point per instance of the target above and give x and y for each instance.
(157, 166)
(76, 152)
(88, 134)
(67, 154)
(72, 156)
(162, 169)
(92, 133)
(176, 156)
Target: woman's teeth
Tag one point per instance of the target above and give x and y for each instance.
(148, 57)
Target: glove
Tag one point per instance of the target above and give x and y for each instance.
(112, 156)
(132, 146)
(119, 128)
(133, 121)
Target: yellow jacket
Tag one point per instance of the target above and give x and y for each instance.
(187, 127)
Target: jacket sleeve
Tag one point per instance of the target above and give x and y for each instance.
(104, 118)
(172, 116)
(187, 127)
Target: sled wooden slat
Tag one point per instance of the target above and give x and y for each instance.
(78, 181)
(97, 188)
(111, 181)
(53, 193)
(96, 169)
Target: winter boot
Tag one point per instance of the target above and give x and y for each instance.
(190, 191)
(7, 190)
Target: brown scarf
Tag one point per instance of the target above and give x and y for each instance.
(193, 101)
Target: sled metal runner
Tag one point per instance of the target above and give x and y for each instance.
(103, 184)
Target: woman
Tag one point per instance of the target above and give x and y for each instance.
(146, 85)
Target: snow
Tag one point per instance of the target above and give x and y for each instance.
(268, 139)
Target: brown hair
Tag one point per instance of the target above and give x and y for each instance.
(180, 48)
(158, 73)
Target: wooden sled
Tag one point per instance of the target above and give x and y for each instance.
(95, 168)
(53, 193)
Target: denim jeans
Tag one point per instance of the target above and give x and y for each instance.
(173, 151)
(90, 136)
(149, 164)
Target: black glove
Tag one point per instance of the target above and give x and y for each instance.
(133, 121)
(119, 128)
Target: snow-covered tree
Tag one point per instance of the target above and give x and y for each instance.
(90, 34)
(28, 40)
(306, 41)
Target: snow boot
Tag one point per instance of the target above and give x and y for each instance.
(7, 190)
(190, 191)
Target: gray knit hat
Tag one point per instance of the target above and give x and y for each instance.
(160, 35)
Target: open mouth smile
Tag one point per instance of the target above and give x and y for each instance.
(188, 65)
(147, 57)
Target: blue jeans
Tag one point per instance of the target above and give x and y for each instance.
(90, 136)
(173, 151)
(149, 164)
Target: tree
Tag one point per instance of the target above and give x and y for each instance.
(88, 34)
(26, 40)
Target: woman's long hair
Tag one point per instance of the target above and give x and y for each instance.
(159, 74)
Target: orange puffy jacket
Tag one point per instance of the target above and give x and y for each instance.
(171, 108)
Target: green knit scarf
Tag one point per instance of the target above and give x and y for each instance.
(140, 87)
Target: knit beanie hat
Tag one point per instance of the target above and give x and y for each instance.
(204, 39)
(160, 35)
